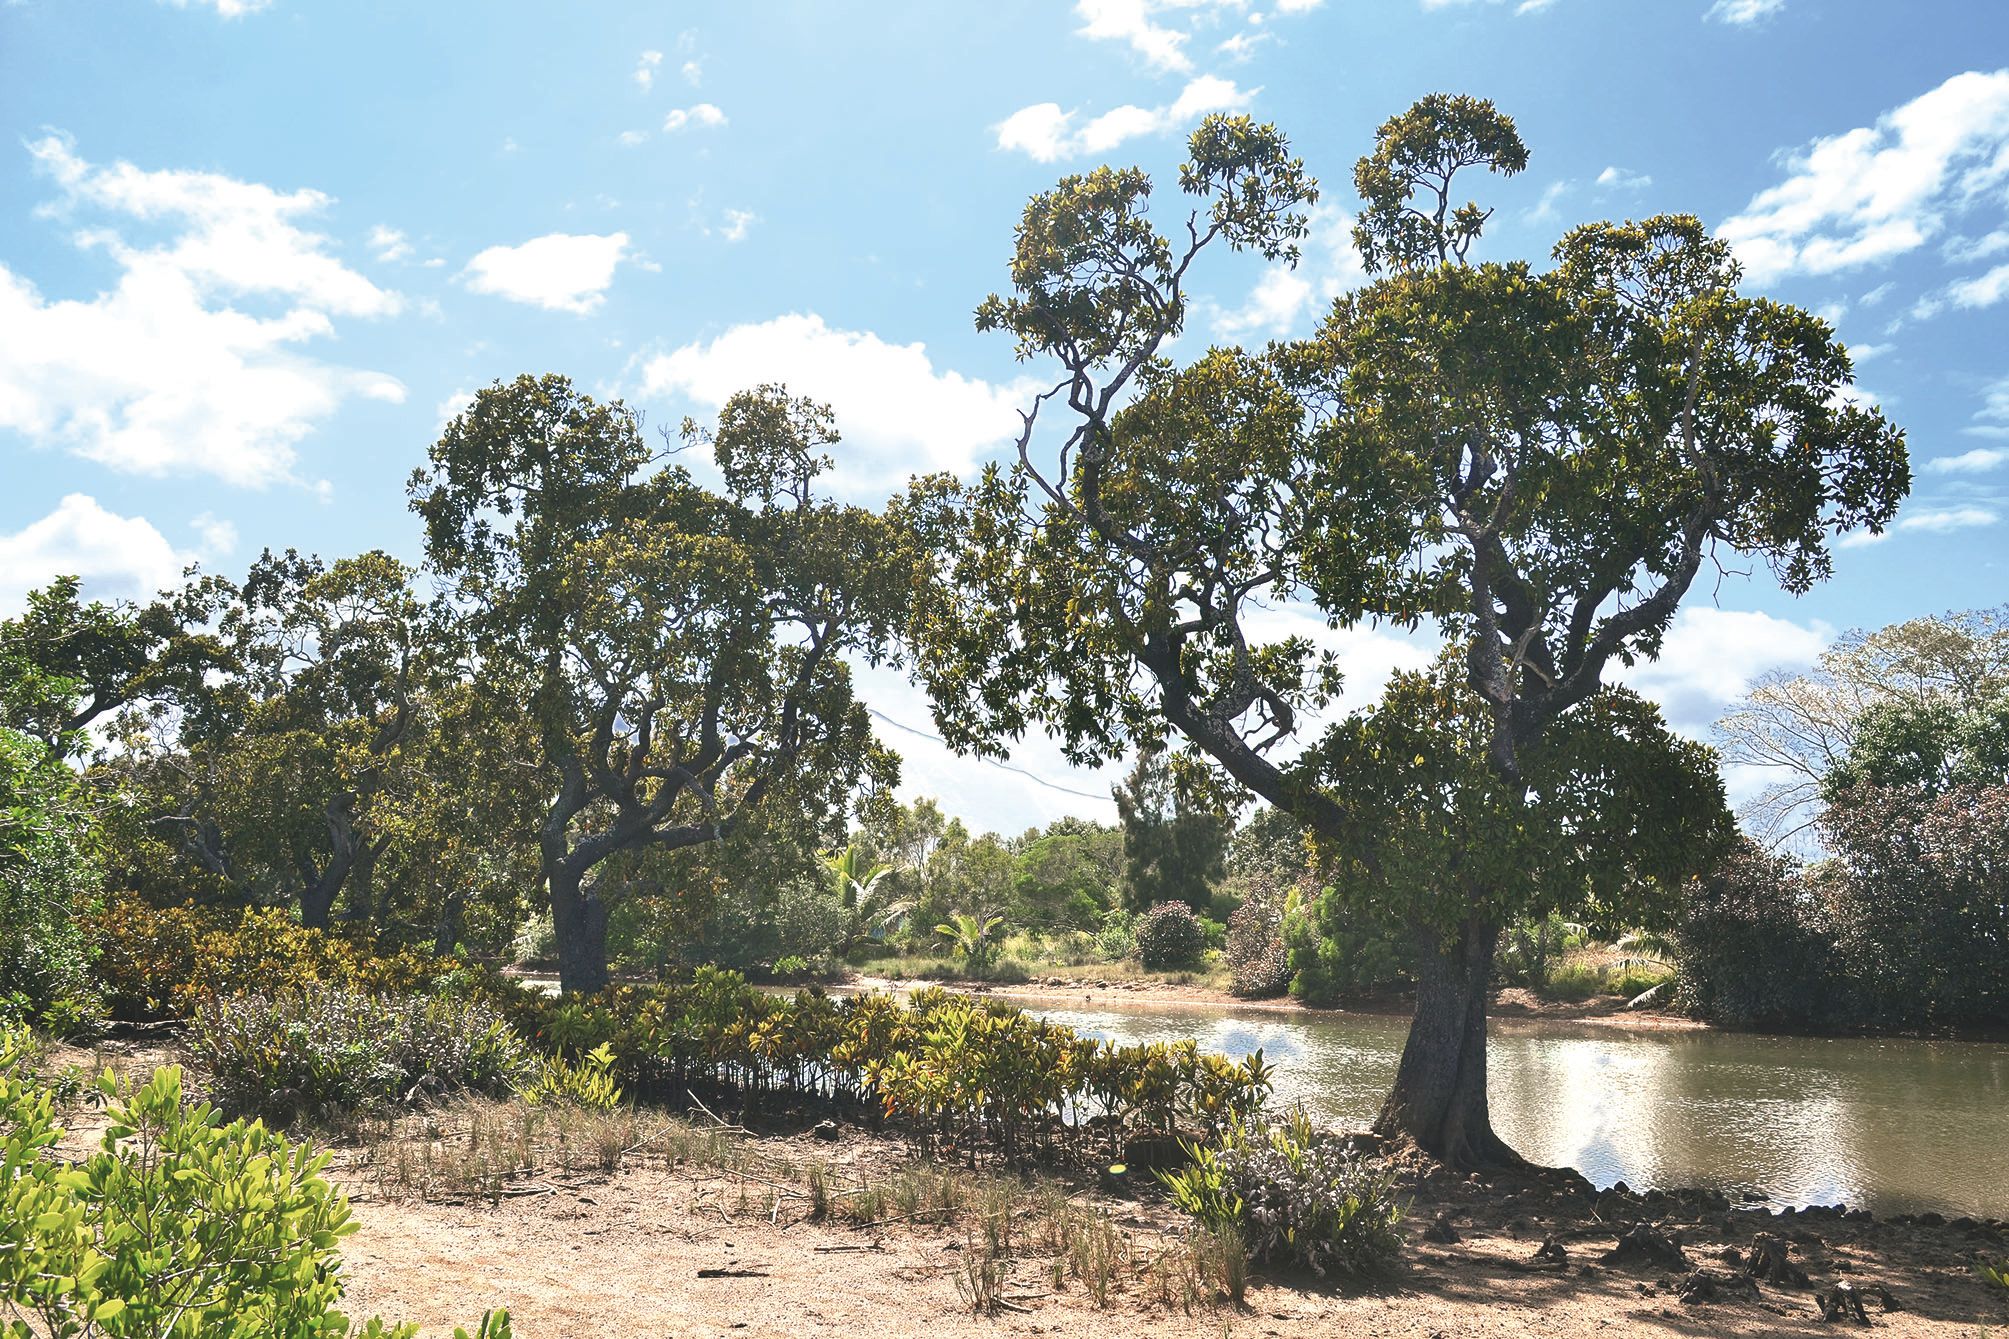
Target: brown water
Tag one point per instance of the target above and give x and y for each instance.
(1888, 1125)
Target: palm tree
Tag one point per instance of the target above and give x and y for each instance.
(971, 939)
(862, 892)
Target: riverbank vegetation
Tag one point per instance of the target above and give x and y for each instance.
(609, 726)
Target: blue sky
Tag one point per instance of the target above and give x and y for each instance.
(252, 252)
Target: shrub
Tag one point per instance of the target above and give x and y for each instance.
(177, 1226)
(1117, 939)
(1258, 963)
(1170, 936)
(48, 877)
(163, 962)
(589, 1083)
(1573, 981)
(1755, 947)
(1295, 1197)
(279, 1055)
(1337, 949)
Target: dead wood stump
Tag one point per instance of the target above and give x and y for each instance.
(1643, 1244)
(1771, 1261)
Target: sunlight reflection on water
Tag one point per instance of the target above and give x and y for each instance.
(1889, 1125)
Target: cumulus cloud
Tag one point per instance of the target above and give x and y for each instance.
(899, 413)
(645, 69)
(1743, 13)
(1711, 655)
(703, 115)
(118, 557)
(389, 244)
(161, 374)
(558, 271)
(1283, 297)
(1876, 192)
(1046, 132)
(1615, 177)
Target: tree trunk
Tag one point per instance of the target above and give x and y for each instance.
(1439, 1098)
(580, 919)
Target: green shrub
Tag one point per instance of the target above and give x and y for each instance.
(1338, 950)
(1756, 947)
(164, 962)
(1295, 1197)
(1630, 982)
(48, 878)
(178, 1227)
(1117, 939)
(1573, 981)
(282, 1055)
(1170, 936)
(589, 1083)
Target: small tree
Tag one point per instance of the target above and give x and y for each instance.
(1174, 846)
(680, 653)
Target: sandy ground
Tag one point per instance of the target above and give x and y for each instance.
(582, 1255)
(622, 1256)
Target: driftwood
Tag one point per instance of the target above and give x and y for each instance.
(1770, 1262)
(1709, 1285)
(1842, 1302)
(715, 1272)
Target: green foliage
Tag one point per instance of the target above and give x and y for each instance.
(178, 1227)
(1169, 936)
(1573, 981)
(1756, 947)
(974, 939)
(588, 1083)
(942, 1063)
(336, 1049)
(1067, 879)
(1337, 947)
(1932, 745)
(49, 877)
(1997, 1275)
(1173, 844)
(680, 654)
(1417, 153)
(1259, 965)
(1918, 899)
(164, 962)
(1296, 1198)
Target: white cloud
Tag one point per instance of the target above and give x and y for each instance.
(1876, 295)
(1744, 12)
(628, 139)
(1959, 249)
(1928, 520)
(1862, 353)
(162, 374)
(1992, 419)
(737, 224)
(1283, 296)
(1243, 44)
(898, 412)
(559, 271)
(1615, 177)
(1982, 290)
(1978, 461)
(1545, 208)
(645, 70)
(1710, 655)
(229, 9)
(694, 73)
(1877, 192)
(1133, 23)
(389, 244)
(118, 557)
(702, 114)
(1045, 132)
(218, 536)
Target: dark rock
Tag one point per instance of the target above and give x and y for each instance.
(1552, 1253)
(1932, 1220)
(825, 1129)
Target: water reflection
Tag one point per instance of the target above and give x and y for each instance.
(1889, 1125)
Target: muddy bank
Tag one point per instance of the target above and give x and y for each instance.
(1509, 1004)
